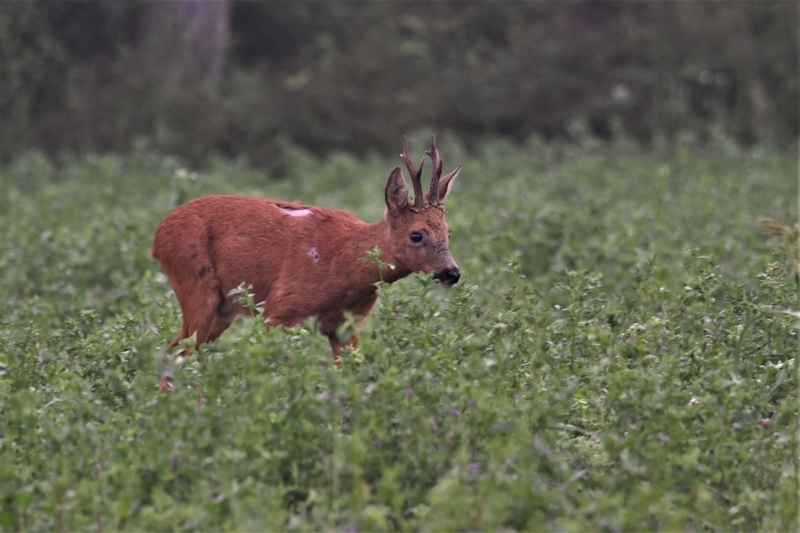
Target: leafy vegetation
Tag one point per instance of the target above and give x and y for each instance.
(616, 356)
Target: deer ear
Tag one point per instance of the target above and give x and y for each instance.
(396, 192)
(445, 183)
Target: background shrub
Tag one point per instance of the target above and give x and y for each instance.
(241, 78)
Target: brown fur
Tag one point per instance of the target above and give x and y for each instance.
(299, 266)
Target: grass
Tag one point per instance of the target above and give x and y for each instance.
(614, 358)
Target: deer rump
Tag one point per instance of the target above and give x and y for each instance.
(297, 258)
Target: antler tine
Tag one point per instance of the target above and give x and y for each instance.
(415, 175)
(437, 172)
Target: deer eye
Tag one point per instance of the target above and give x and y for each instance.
(415, 237)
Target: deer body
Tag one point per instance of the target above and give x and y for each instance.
(301, 260)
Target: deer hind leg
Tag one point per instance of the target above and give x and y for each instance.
(206, 314)
(196, 320)
(210, 331)
(223, 317)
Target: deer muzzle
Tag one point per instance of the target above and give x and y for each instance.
(448, 277)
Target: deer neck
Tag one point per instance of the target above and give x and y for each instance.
(378, 235)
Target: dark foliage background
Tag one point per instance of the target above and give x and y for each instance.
(245, 78)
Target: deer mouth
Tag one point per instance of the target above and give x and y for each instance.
(448, 277)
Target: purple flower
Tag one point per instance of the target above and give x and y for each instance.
(455, 412)
(350, 528)
(471, 467)
(472, 404)
(409, 393)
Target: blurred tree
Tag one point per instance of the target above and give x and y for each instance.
(42, 47)
(243, 78)
(191, 33)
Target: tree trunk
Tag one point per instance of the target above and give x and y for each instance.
(192, 34)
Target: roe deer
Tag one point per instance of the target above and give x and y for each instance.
(301, 260)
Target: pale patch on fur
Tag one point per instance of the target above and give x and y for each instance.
(295, 212)
(314, 254)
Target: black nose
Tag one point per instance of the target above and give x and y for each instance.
(449, 276)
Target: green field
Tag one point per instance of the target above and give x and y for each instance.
(608, 361)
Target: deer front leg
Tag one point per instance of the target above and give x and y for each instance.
(329, 323)
(329, 326)
(337, 344)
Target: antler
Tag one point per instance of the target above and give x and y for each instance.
(437, 172)
(415, 175)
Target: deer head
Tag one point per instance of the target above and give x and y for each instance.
(418, 232)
